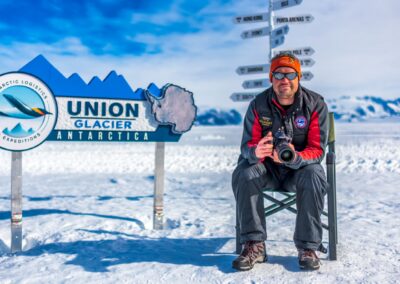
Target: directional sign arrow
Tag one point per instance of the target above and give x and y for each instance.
(299, 19)
(255, 33)
(277, 41)
(282, 4)
(280, 31)
(255, 18)
(243, 97)
(301, 51)
(307, 62)
(258, 83)
(253, 69)
(307, 76)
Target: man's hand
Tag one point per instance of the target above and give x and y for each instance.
(265, 146)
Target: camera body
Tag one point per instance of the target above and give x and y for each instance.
(281, 144)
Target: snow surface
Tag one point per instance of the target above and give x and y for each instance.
(88, 213)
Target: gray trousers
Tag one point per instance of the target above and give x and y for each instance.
(308, 182)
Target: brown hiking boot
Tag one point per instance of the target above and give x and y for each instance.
(253, 252)
(308, 259)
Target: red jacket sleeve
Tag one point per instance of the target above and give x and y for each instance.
(252, 134)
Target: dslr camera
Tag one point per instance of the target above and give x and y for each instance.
(281, 145)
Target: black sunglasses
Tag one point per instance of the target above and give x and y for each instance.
(280, 76)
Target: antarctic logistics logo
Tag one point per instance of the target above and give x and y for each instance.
(28, 111)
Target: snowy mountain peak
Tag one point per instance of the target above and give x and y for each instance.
(349, 109)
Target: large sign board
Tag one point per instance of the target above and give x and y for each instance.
(38, 103)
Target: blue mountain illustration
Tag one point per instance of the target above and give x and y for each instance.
(154, 90)
(114, 86)
(18, 131)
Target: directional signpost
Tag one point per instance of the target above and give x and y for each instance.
(301, 51)
(243, 97)
(277, 41)
(307, 62)
(263, 17)
(255, 33)
(307, 76)
(258, 83)
(300, 19)
(282, 4)
(276, 38)
(253, 69)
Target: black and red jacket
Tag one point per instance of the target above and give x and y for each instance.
(306, 121)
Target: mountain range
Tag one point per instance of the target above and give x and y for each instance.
(18, 131)
(113, 86)
(345, 109)
(349, 109)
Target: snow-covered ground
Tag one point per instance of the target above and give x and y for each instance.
(88, 213)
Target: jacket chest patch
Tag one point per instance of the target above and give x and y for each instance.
(265, 121)
(300, 122)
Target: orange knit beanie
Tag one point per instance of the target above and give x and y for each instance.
(284, 61)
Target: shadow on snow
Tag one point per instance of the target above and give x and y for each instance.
(100, 255)
(4, 215)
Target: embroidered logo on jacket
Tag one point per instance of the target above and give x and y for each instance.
(300, 122)
(266, 121)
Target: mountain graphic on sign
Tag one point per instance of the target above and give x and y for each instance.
(18, 131)
(113, 86)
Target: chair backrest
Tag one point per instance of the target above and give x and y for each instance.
(331, 132)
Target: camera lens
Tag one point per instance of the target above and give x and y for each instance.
(286, 155)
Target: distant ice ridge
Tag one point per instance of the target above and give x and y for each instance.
(345, 108)
(350, 109)
(215, 116)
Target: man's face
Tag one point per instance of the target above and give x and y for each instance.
(285, 88)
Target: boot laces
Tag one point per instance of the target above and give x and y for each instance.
(252, 249)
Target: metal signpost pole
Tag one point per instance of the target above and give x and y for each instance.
(271, 27)
(159, 186)
(16, 202)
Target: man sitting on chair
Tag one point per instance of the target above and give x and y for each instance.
(283, 144)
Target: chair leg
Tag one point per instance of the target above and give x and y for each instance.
(238, 244)
(332, 216)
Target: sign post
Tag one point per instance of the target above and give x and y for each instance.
(158, 215)
(276, 38)
(16, 201)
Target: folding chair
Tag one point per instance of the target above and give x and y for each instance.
(289, 198)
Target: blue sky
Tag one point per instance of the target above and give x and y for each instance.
(193, 43)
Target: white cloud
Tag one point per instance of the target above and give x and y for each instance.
(355, 43)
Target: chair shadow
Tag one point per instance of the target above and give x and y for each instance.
(101, 255)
